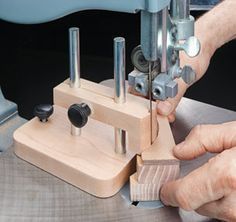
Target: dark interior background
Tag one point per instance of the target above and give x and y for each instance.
(34, 58)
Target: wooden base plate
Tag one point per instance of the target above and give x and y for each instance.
(87, 161)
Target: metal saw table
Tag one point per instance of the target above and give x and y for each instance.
(30, 194)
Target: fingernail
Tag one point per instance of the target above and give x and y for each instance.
(164, 108)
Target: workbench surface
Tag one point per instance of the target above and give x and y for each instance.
(30, 194)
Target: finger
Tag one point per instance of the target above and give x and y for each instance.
(207, 138)
(194, 190)
(165, 108)
(210, 209)
(224, 209)
(171, 117)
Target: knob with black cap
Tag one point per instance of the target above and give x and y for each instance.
(43, 112)
(78, 115)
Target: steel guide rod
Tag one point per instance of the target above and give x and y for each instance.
(74, 44)
(180, 9)
(164, 65)
(120, 92)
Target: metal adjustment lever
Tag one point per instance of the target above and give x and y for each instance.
(78, 115)
(43, 112)
(191, 46)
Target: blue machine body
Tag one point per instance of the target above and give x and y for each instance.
(39, 11)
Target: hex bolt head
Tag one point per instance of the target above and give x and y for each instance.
(43, 112)
(188, 75)
(78, 114)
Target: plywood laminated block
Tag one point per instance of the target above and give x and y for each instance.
(158, 173)
(88, 161)
(156, 166)
(132, 116)
(143, 192)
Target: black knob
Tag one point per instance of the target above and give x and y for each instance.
(43, 112)
(78, 114)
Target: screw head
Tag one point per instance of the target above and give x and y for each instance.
(188, 75)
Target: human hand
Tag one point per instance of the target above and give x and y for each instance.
(199, 64)
(210, 190)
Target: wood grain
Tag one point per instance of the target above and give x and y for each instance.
(88, 162)
(162, 148)
(145, 184)
(143, 192)
(159, 173)
(156, 166)
(133, 116)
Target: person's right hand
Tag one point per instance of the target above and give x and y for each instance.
(199, 64)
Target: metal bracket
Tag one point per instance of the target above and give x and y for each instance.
(8, 109)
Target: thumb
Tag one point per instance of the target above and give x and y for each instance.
(168, 106)
(207, 138)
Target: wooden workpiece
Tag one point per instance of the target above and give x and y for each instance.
(155, 166)
(143, 192)
(88, 162)
(132, 116)
(159, 172)
(162, 148)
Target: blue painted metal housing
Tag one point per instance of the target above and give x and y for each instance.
(39, 11)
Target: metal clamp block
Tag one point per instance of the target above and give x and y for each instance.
(163, 87)
(185, 28)
(139, 82)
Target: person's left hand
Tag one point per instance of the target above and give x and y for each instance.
(211, 189)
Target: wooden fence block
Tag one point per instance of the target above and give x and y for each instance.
(133, 116)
